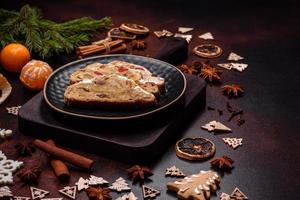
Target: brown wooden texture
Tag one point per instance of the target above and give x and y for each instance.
(265, 33)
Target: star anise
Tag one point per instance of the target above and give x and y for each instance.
(139, 44)
(186, 69)
(233, 90)
(222, 163)
(210, 73)
(30, 175)
(98, 193)
(197, 64)
(139, 173)
(25, 148)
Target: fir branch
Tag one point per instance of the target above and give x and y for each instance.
(9, 30)
(27, 12)
(78, 39)
(44, 37)
(5, 14)
(32, 35)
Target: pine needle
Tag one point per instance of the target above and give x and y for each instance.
(46, 38)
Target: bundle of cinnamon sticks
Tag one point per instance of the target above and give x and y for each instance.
(106, 47)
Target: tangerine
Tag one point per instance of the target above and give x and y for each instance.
(14, 56)
(34, 74)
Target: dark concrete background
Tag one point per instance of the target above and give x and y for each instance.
(265, 33)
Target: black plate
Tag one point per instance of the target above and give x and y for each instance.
(59, 80)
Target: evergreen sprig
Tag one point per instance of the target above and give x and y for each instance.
(44, 37)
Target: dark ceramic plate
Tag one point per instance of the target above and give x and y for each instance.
(59, 80)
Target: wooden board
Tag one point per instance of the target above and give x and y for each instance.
(124, 139)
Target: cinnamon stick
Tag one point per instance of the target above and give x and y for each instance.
(100, 46)
(61, 154)
(119, 49)
(87, 50)
(59, 167)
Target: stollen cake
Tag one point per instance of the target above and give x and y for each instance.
(108, 90)
(142, 76)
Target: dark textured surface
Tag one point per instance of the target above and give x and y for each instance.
(126, 140)
(175, 85)
(266, 33)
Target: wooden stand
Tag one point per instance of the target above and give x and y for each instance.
(141, 139)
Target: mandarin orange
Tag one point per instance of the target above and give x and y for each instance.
(14, 56)
(34, 74)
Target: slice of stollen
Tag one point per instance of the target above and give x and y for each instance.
(108, 90)
(139, 74)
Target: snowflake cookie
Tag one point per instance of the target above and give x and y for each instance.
(7, 168)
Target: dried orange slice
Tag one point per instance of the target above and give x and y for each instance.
(208, 51)
(195, 148)
(5, 88)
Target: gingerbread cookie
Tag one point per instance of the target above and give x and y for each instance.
(150, 193)
(184, 29)
(94, 180)
(208, 51)
(197, 186)
(129, 196)
(37, 193)
(195, 148)
(174, 171)
(233, 142)
(234, 57)
(5, 193)
(216, 127)
(225, 196)
(69, 191)
(134, 29)
(206, 36)
(119, 185)
(238, 195)
(82, 184)
(13, 110)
